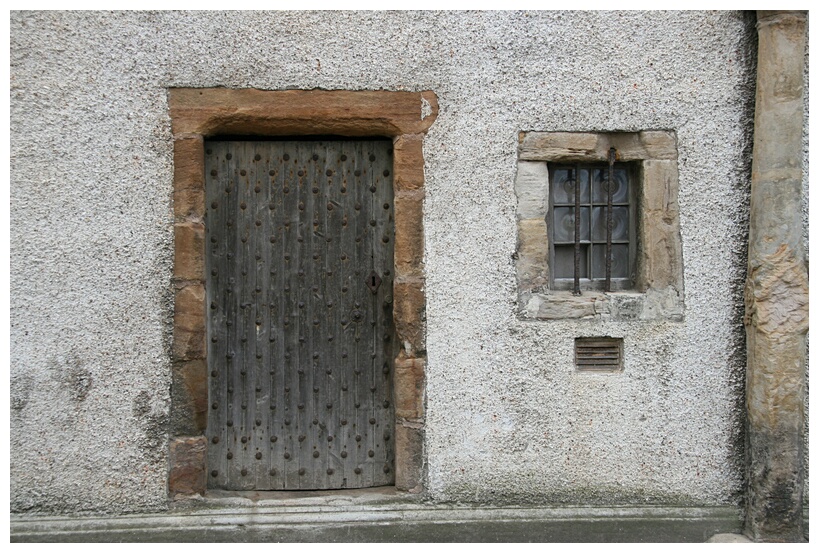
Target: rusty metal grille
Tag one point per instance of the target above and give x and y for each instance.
(592, 226)
(301, 339)
(598, 354)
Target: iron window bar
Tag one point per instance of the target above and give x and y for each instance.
(574, 176)
(609, 188)
(576, 290)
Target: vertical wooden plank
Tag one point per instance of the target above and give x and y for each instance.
(344, 438)
(308, 275)
(240, 325)
(324, 183)
(223, 193)
(259, 450)
(232, 299)
(212, 224)
(245, 309)
(302, 326)
(369, 309)
(264, 345)
(356, 314)
(234, 323)
(331, 477)
(316, 153)
(276, 207)
(301, 330)
(226, 193)
(383, 247)
(216, 238)
(337, 448)
(391, 350)
(291, 322)
(322, 269)
(372, 314)
(252, 315)
(304, 331)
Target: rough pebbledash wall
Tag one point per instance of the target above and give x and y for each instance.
(508, 419)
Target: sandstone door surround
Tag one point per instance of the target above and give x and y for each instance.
(199, 113)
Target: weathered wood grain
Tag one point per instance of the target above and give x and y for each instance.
(300, 348)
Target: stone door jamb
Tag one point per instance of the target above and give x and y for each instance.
(197, 114)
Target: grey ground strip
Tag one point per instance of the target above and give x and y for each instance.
(391, 522)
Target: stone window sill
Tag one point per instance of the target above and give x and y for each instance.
(603, 306)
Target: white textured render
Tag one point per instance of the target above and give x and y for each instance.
(509, 419)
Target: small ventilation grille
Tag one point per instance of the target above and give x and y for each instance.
(598, 354)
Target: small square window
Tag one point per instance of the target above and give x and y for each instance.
(585, 252)
(598, 242)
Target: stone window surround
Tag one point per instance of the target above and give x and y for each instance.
(197, 114)
(658, 287)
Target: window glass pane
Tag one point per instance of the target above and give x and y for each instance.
(619, 261)
(564, 224)
(564, 261)
(600, 186)
(563, 185)
(619, 223)
(593, 182)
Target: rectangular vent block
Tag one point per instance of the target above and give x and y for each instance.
(602, 354)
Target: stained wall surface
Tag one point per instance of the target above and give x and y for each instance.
(508, 417)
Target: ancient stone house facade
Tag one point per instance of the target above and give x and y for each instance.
(391, 183)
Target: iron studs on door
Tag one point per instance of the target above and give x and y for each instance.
(297, 350)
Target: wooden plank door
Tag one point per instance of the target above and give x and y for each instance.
(299, 239)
